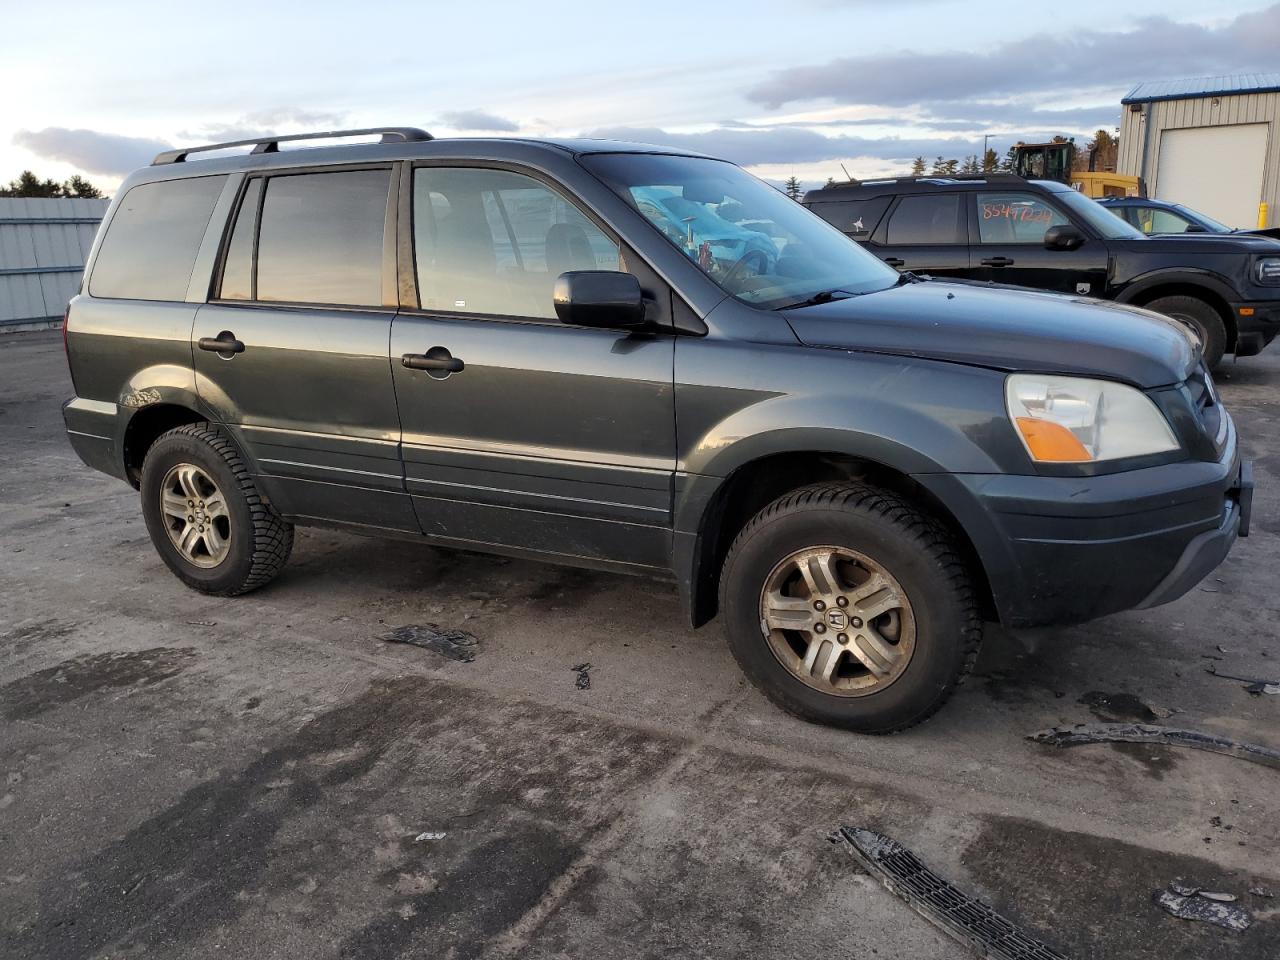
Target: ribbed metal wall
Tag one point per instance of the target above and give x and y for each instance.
(1161, 115)
(43, 247)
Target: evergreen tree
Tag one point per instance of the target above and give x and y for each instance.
(1010, 161)
(793, 189)
(990, 162)
(970, 164)
(944, 168)
(29, 185)
(831, 182)
(917, 167)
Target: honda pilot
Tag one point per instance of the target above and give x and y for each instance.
(641, 360)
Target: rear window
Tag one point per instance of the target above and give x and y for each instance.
(153, 238)
(925, 218)
(320, 239)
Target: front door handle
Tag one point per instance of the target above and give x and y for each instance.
(437, 361)
(894, 261)
(998, 262)
(225, 342)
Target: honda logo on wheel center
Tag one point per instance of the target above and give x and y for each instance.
(838, 619)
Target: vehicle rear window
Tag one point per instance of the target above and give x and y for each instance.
(857, 218)
(320, 239)
(153, 238)
(925, 218)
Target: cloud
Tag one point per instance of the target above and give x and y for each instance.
(478, 120)
(753, 147)
(1040, 63)
(109, 154)
(264, 123)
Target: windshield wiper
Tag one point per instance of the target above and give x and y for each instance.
(822, 296)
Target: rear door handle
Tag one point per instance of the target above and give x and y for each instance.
(894, 261)
(225, 342)
(436, 360)
(998, 262)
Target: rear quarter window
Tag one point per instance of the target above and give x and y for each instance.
(857, 218)
(151, 243)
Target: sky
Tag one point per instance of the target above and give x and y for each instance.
(804, 88)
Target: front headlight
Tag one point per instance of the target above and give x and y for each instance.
(1267, 270)
(1075, 420)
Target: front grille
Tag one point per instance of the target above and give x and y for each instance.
(1204, 398)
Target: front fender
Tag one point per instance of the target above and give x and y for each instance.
(1136, 288)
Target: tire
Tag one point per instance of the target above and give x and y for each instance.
(248, 543)
(916, 559)
(1203, 317)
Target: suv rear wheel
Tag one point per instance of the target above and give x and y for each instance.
(845, 605)
(1203, 318)
(205, 516)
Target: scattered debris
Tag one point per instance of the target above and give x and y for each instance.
(583, 670)
(1084, 733)
(429, 835)
(1219, 897)
(1254, 687)
(454, 644)
(1121, 706)
(1262, 892)
(1206, 907)
(967, 920)
(202, 623)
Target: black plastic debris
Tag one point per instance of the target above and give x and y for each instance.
(583, 670)
(454, 644)
(967, 920)
(1254, 687)
(1086, 733)
(1187, 903)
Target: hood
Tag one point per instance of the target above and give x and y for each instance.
(1197, 243)
(1006, 329)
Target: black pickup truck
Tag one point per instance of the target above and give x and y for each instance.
(1037, 233)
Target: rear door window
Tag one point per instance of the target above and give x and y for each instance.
(1015, 218)
(320, 238)
(153, 238)
(925, 219)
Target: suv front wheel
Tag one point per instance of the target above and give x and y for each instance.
(847, 606)
(1202, 318)
(205, 516)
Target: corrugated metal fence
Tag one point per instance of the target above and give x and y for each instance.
(43, 246)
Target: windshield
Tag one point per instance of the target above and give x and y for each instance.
(752, 240)
(1196, 216)
(1108, 225)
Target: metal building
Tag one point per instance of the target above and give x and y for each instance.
(1212, 143)
(43, 246)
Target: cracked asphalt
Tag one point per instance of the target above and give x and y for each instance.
(188, 777)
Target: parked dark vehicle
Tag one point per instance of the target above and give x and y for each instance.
(1041, 234)
(1162, 216)
(489, 344)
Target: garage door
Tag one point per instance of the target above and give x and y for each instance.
(1216, 170)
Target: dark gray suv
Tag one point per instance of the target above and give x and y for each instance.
(647, 361)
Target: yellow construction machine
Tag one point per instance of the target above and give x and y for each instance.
(1056, 161)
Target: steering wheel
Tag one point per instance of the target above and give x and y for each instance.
(756, 256)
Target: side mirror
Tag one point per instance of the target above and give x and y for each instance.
(599, 298)
(1063, 237)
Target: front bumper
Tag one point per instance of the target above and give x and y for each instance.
(1257, 324)
(1060, 550)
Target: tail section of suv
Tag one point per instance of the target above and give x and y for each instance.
(1033, 233)
(510, 346)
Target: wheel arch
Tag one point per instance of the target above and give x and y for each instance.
(146, 426)
(1200, 286)
(757, 483)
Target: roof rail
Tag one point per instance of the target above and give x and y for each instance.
(271, 144)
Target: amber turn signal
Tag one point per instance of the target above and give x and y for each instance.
(1051, 443)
